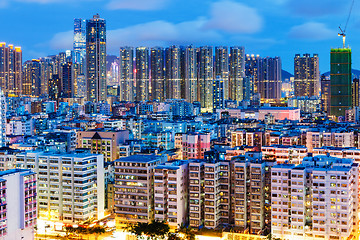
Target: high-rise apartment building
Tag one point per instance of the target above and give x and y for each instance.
(10, 69)
(355, 92)
(67, 85)
(237, 73)
(269, 75)
(251, 70)
(142, 74)
(79, 44)
(209, 193)
(340, 79)
(18, 204)
(171, 192)
(32, 78)
(71, 186)
(306, 75)
(173, 72)
(96, 59)
(157, 66)
(126, 74)
(134, 188)
(317, 199)
(2, 119)
(222, 68)
(205, 78)
(190, 74)
(219, 93)
(325, 94)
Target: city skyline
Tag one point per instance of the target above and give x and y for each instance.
(272, 28)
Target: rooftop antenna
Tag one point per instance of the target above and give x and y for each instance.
(342, 31)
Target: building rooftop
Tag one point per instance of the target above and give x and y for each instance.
(140, 158)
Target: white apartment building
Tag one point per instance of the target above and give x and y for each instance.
(20, 126)
(318, 139)
(17, 204)
(284, 154)
(71, 186)
(317, 199)
(171, 192)
(2, 119)
(134, 190)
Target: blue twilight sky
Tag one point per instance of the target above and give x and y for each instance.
(266, 27)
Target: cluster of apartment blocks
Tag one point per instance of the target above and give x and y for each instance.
(317, 198)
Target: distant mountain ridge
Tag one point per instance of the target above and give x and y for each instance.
(285, 75)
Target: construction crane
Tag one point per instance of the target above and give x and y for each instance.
(342, 31)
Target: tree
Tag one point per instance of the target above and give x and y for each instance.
(96, 230)
(150, 231)
(187, 232)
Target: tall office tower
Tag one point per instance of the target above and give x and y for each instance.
(219, 93)
(126, 74)
(67, 86)
(237, 73)
(222, 68)
(340, 80)
(142, 74)
(209, 193)
(31, 78)
(355, 93)
(251, 200)
(325, 94)
(18, 204)
(134, 188)
(80, 86)
(2, 119)
(306, 75)
(190, 74)
(157, 66)
(71, 186)
(10, 69)
(317, 199)
(171, 192)
(173, 72)
(205, 78)
(96, 59)
(79, 45)
(269, 74)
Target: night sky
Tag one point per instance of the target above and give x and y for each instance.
(266, 27)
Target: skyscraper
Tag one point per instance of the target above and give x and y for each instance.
(173, 72)
(79, 41)
(126, 73)
(10, 69)
(355, 93)
(340, 80)
(67, 86)
(190, 74)
(251, 70)
(31, 78)
(157, 66)
(325, 94)
(205, 78)
(222, 68)
(269, 73)
(96, 59)
(219, 93)
(237, 73)
(306, 75)
(142, 74)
